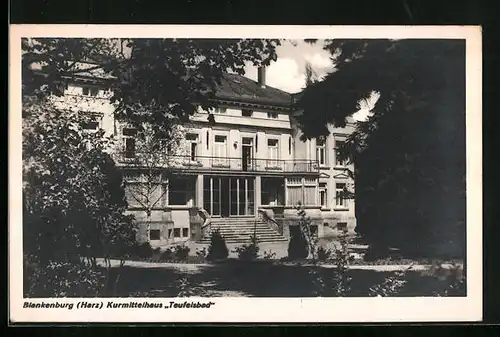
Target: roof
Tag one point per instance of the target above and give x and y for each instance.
(92, 71)
(233, 87)
(237, 87)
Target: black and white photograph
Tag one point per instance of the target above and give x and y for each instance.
(239, 173)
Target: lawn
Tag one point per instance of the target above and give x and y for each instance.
(257, 279)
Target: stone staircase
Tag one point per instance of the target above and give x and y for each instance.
(240, 230)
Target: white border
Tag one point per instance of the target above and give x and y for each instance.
(416, 309)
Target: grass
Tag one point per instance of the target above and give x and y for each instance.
(259, 278)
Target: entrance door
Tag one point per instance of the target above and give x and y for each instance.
(247, 153)
(224, 197)
(229, 196)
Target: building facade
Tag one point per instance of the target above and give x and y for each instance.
(243, 163)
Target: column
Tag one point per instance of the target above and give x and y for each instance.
(258, 192)
(199, 191)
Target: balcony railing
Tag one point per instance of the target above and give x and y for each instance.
(217, 163)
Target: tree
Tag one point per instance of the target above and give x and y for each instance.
(173, 77)
(74, 204)
(409, 155)
(72, 190)
(150, 167)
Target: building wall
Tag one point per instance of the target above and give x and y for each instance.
(261, 126)
(74, 100)
(331, 174)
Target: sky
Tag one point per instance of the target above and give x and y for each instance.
(288, 71)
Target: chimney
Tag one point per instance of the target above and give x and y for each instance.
(261, 76)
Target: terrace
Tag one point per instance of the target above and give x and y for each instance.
(210, 163)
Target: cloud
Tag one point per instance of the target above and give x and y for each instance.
(283, 74)
(318, 61)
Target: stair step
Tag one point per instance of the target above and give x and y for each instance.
(240, 230)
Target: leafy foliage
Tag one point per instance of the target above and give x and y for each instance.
(391, 285)
(73, 193)
(218, 248)
(74, 203)
(159, 82)
(324, 254)
(62, 279)
(202, 253)
(298, 247)
(143, 250)
(248, 252)
(268, 255)
(409, 155)
(181, 252)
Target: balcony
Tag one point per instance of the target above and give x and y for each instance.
(199, 163)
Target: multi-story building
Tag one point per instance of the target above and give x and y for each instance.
(244, 168)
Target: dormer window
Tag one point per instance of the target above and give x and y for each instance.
(220, 110)
(91, 125)
(90, 91)
(272, 115)
(246, 113)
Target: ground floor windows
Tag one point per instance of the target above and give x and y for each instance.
(273, 191)
(167, 232)
(323, 195)
(181, 191)
(154, 234)
(228, 196)
(342, 226)
(340, 200)
(301, 190)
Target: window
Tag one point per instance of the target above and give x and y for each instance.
(294, 191)
(340, 201)
(177, 232)
(220, 151)
(191, 146)
(301, 190)
(342, 226)
(90, 91)
(169, 231)
(185, 232)
(154, 234)
(91, 125)
(338, 145)
(272, 152)
(323, 196)
(310, 191)
(290, 145)
(129, 142)
(179, 191)
(220, 110)
(321, 151)
(246, 113)
(272, 115)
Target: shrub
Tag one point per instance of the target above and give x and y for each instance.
(268, 255)
(452, 278)
(202, 252)
(324, 254)
(144, 250)
(248, 252)
(298, 247)
(391, 285)
(63, 279)
(218, 248)
(181, 252)
(156, 254)
(166, 255)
